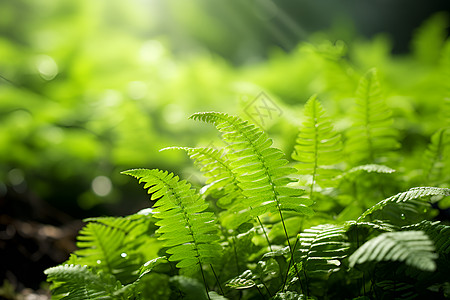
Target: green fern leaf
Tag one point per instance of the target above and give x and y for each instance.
(318, 146)
(412, 196)
(260, 169)
(321, 249)
(110, 244)
(439, 233)
(445, 83)
(188, 231)
(370, 168)
(289, 296)
(75, 282)
(371, 136)
(412, 247)
(396, 290)
(245, 280)
(437, 158)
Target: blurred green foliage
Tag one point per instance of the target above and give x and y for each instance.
(89, 89)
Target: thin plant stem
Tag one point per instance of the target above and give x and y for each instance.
(204, 281)
(289, 243)
(173, 271)
(265, 234)
(217, 279)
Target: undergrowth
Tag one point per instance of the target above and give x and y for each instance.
(318, 223)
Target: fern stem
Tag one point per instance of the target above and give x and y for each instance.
(173, 272)
(265, 233)
(316, 154)
(235, 254)
(204, 281)
(289, 243)
(217, 279)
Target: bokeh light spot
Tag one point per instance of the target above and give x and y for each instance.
(47, 67)
(102, 186)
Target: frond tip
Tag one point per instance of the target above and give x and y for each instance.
(411, 247)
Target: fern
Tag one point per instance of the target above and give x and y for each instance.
(110, 244)
(370, 168)
(188, 231)
(321, 249)
(76, 282)
(437, 232)
(371, 136)
(410, 196)
(412, 247)
(260, 169)
(318, 147)
(436, 157)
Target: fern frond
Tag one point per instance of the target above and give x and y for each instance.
(445, 77)
(371, 168)
(245, 280)
(288, 295)
(376, 224)
(75, 282)
(321, 249)
(412, 247)
(260, 169)
(413, 196)
(222, 181)
(397, 290)
(439, 233)
(371, 135)
(437, 158)
(188, 231)
(111, 246)
(318, 146)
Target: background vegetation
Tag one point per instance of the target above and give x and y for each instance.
(89, 89)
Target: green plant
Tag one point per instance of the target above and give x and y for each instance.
(269, 230)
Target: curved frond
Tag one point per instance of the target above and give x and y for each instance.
(321, 249)
(411, 247)
(318, 146)
(245, 280)
(439, 233)
(371, 168)
(111, 246)
(260, 169)
(371, 135)
(188, 231)
(413, 196)
(437, 158)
